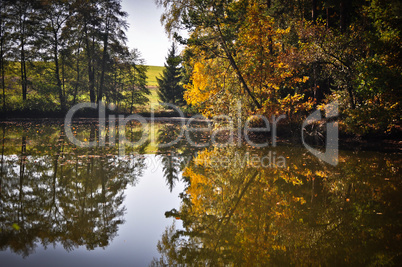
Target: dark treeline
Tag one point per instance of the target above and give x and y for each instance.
(57, 53)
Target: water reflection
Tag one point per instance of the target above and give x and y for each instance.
(242, 206)
(307, 213)
(175, 151)
(53, 192)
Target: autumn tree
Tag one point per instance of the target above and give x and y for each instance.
(287, 57)
(213, 26)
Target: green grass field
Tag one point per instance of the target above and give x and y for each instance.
(153, 72)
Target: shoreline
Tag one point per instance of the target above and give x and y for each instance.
(381, 143)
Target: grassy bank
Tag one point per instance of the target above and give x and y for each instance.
(153, 72)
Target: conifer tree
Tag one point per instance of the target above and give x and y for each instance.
(170, 89)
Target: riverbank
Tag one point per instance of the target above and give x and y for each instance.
(81, 114)
(391, 143)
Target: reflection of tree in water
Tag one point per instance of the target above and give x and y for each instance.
(53, 192)
(176, 156)
(305, 214)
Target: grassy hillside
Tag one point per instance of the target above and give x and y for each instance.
(153, 72)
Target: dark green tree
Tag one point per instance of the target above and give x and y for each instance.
(22, 27)
(54, 17)
(3, 39)
(137, 79)
(112, 33)
(170, 89)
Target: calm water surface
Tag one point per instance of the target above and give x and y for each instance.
(64, 205)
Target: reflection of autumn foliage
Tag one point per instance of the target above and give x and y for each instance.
(305, 214)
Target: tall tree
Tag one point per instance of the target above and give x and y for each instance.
(170, 89)
(76, 52)
(112, 30)
(22, 13)
(63, 48)
(86, 19)
(3, 34)
(214, 26)
(56, 14)
(137, 79)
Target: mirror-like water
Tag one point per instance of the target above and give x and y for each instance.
(66, 205)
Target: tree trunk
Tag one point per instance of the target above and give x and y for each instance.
(63, 82)
(104, 58)
(23, 70)
(78, 75)
(314, 11)
(91, 76)
(234, 66)
(22, 175)
(2, 58)
(22, 59)
(57, 72)
(352, 100)
(132, 93)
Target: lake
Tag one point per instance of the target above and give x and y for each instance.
(182, 201)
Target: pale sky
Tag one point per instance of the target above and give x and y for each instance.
(146, 32)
